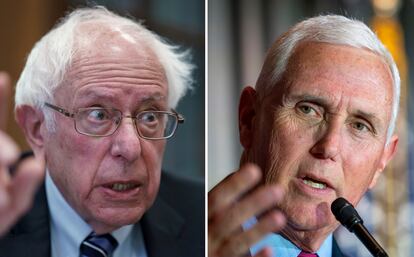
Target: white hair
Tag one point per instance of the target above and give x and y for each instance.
(51, 57)
(332, 29)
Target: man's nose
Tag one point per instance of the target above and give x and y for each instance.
(126, 142)
(327, 145)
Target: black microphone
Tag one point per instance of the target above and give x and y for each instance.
(346, 214)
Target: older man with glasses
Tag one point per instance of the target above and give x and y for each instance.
(96, 101)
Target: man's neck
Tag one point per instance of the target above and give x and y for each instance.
(309, 241)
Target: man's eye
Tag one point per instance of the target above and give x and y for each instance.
(306, 109)
(148, 117)
(360, 126)
(99, 115)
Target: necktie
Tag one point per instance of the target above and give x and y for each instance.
(305, 254)
(98, 246)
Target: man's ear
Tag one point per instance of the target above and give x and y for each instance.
(30, 121)
(247, 114)
(389, 152)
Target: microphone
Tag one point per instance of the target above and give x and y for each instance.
(346, 214)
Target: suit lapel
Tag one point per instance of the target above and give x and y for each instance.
(31, 236)
(161, 227)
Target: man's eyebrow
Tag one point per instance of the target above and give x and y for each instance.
(323, 101)
(91, 94)
(152, 98)
(372, 117)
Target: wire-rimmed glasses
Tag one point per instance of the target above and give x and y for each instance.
(102, 122)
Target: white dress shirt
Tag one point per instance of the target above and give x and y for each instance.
(68, 229)
(281, 247)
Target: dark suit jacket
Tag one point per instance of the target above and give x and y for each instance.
(173, 226)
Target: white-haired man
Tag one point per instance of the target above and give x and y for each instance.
(95, 100)
(319, 125)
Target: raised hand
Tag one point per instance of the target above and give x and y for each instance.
(231, 203)
(16, 193)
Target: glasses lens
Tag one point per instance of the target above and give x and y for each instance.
(156, 125)
(97, 121)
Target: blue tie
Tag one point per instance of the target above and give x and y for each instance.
(98, 246)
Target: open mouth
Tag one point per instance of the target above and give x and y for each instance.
(121, 187)
(314, 183)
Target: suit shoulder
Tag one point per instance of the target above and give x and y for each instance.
(184, 195)
(173, 185)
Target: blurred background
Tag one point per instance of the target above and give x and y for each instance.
(239, 34)
(181, 22)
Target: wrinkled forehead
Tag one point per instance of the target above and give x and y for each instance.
(112, 57)
(97, 39)
(313, 60)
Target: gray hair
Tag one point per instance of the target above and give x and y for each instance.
(51, 57)
(332, 29)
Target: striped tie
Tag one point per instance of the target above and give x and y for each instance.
(306, 254)
(98, 246)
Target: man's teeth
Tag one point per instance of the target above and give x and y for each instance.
(122, 187)
(314, 184)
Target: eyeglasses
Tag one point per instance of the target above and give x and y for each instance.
(102, 122)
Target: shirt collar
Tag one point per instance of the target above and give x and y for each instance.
(281, 247)
(68, 229)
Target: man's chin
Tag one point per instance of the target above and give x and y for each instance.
(110, 219)
(310, 218)
(311, 225)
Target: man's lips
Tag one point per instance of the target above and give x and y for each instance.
(316, 182)
(122, 186)
(121, 191)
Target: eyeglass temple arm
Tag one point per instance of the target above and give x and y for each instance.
(61, 110)
(180, 117)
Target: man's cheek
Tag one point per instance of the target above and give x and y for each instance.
(291, 131)
(355, 188)
(286, 119)
(153, 152)
(82, 145)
